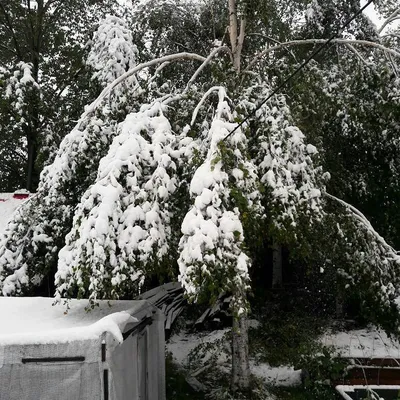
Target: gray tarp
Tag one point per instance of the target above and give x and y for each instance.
(74, 370)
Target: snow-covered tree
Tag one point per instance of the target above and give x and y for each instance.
(199, 147)
(122, 226)
(50, 36)
(19, 88)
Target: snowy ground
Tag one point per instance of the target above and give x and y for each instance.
(369, 342)
(363, 343)
(181, 344)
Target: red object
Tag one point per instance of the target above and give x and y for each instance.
(20, 196)
(3, 200)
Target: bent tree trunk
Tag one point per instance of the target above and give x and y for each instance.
(240, 353)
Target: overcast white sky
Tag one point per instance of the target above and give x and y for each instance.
(370, 11)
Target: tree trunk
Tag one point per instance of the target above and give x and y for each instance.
(36, 26)
(240, 354)
(339, 303)
(32, 175)
(236, 38)
(33, 132)
(277, 274)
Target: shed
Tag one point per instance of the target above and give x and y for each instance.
(114, 352)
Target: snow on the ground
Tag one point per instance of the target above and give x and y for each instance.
(181, 344)
(369, 342)
(34, 320)
(276, 376)
(8, 204)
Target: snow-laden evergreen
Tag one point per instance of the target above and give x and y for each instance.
(18, 85)
(112, 51)
(122, 226)
(37, 231)
(213, 259)
(293, 181)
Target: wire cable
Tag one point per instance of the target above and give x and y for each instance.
(298, 69)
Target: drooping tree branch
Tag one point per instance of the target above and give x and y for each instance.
(109, 89)
(205, 63)
(203, 99)
(392, 17)
(364, 221)
(272, 40)
(358, 55)
(322, 41)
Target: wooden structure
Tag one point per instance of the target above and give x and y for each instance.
(372, 371)
(380, 376)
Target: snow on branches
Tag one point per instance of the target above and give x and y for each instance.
(213, 258)
(292, 182)
(366, 262)
(112, 51)
(122, 225)
(18, 87)
(36, 231)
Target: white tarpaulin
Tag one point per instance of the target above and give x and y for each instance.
(47, 353)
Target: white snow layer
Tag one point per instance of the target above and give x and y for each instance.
(363, 343)
(119, 225)
(35, 320)
(181, 344)
(8, 204)
(276, 376)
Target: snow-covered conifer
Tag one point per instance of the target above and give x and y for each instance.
(213, 259)
(112, 51)
(122, 226)
(292, 181)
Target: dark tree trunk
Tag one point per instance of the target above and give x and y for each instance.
(277, 273)
(36, 27)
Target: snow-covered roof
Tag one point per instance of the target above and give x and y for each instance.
(8, 204)
(35, 320)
